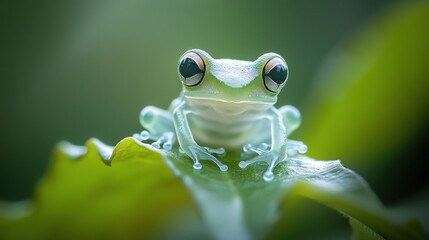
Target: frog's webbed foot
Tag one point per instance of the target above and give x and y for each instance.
(164, 141)
(198, 153)
(249, 149)
(264, 154)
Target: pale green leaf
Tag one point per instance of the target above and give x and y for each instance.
(82, 198)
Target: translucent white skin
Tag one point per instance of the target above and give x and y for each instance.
(230, 108)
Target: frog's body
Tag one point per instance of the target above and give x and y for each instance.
(227, 104)
(227, 124)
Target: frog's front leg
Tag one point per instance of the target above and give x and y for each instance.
(159, 127)
(187, 142)
(292, 120)
(278, 149)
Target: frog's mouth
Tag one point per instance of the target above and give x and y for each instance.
(232, 102)
(207, 105)
(261, 101)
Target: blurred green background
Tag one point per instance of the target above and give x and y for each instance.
(72, 70)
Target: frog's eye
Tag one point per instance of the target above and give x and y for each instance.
(191, 69)
(275, 74)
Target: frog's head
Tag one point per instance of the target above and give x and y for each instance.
(232, 81)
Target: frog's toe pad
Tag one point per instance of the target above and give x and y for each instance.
(156, 145)
(243, 164)
(296, 147)
(223, 168)
(167, 146)
(268, 176)
(145, 135)
(197, 165)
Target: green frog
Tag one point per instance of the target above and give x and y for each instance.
(227, 104)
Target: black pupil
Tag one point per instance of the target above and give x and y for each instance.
(188, 68)
(278, 74)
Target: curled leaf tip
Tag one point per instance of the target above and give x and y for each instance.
(104, 151)
(76, 152)
(72, 151)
